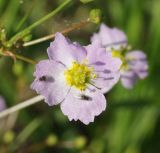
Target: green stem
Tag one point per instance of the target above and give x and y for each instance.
(16, 56)
(28, 60)
(27, 30)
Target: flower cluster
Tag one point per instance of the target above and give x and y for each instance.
(134, 62)
(77, 77)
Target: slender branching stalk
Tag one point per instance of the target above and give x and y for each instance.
(51, 36)
(16, 56)
(21, 105)
(25, 59)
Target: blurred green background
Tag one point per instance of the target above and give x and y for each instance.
(131, 122)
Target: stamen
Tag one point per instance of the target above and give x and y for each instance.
(94, 85)
(79, 75)
(119, 54)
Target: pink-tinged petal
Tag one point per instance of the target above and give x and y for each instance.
(62, 50)
(96, 38)
(128, 79)
(2, 104)
(118, 35)
(136, 55)
(110, 37)
(105, 66)
(79, 52)
(140, 68)
(100, 59)
(106, 35)
(137, 61)
(50, 81)
(106, 81)
(83, 106)
(142, 74)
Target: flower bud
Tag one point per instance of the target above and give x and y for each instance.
(8, 137)
(17, 68)
(51, 140)
(95, 16)
(80, 142)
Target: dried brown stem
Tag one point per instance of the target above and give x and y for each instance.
(51, 36)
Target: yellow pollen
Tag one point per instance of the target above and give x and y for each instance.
(79, 75)
(119, 55)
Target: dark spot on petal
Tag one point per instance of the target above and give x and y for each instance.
(99, 63)
(43, 78)
(134, 61)
(142, 59)
(46, 79)
(85, 97)
(129, 77)
(110, 78)
(143, 71)
(106, 71)
(93, 90)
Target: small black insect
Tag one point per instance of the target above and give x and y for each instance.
(43, 78)
(85, 97)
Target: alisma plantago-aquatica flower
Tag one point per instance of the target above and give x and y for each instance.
(134, 62)
(76, 77)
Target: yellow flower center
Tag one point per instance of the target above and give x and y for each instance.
(119, 54)
(79, 75)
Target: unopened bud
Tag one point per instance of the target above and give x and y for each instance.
(51, 140)
(8, 137)
(95, 16)
(80, 142)
(17, 68)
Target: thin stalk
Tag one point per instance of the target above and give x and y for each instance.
(51, 36)
(21, 105)
(28, 60)
(16, 56)
(54, 12)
